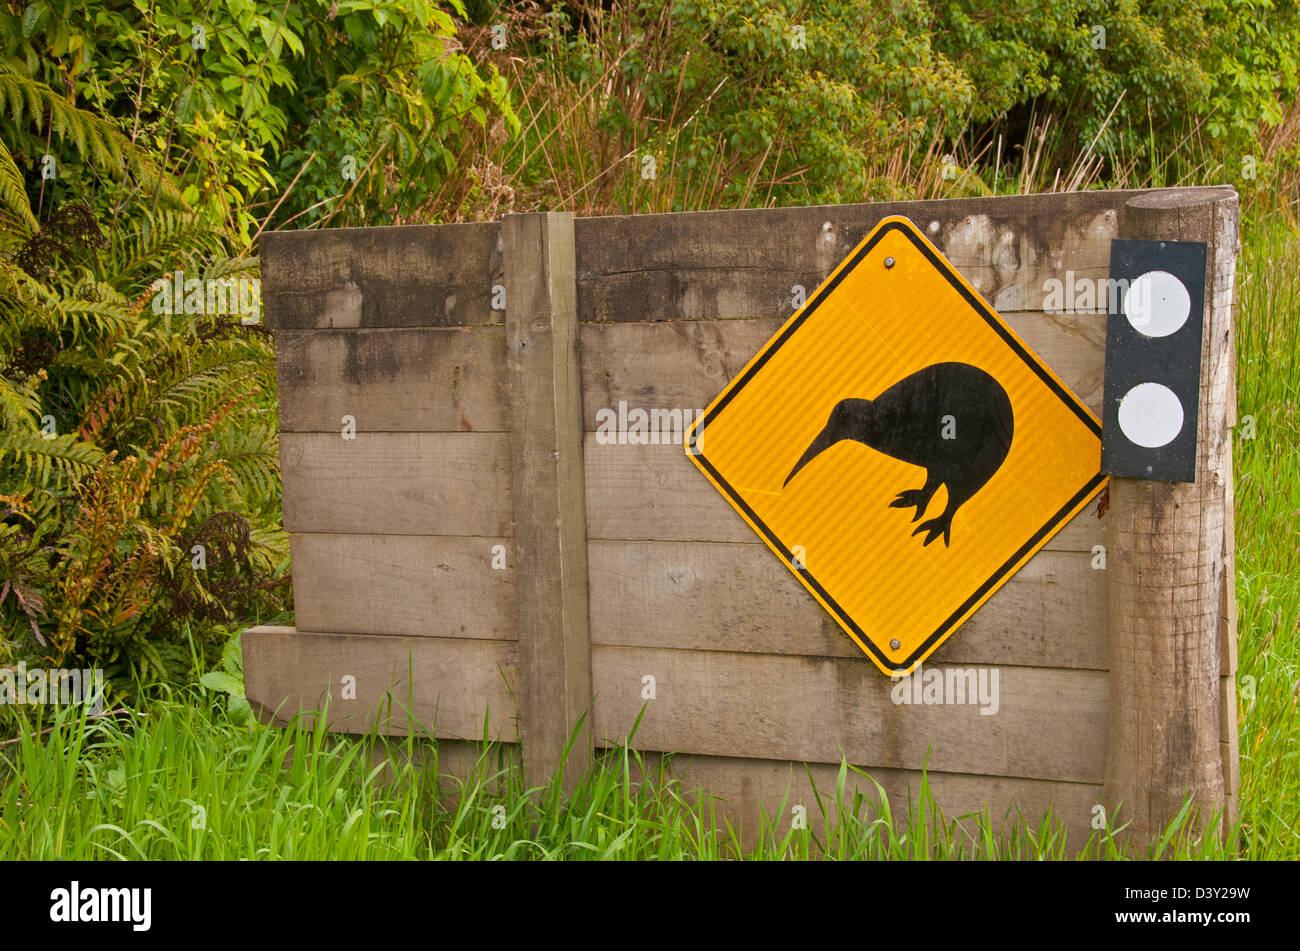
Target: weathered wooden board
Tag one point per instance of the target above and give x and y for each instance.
(397, 483)
(1050, 724)
(748, 792)
(408, 276)
(487, 768)
(703, 595)
(655, 493)
(393, 380)
(744, 263)
(409, 585)
(550, 506)
(685, 364)
(458, 684)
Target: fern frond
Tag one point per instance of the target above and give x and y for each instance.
(19, 406)
(15, 207)
(28, 305)
(41, 456)
(270, 550)
(178, 387)
(251, 450)
(162, 242)
(96, 140)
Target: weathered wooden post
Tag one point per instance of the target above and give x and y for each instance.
(1172, 719)
(548, 486)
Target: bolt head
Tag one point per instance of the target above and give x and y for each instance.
(894, 645)
(889, 262)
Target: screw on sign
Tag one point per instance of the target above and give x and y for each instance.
(894, 411)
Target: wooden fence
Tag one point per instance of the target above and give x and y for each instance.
(476, 553)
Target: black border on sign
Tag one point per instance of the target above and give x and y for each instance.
(996, 324)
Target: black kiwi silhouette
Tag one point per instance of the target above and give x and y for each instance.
(907, 421)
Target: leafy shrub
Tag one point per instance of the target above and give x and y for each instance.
(377, 117)
(740, 102)
(127, 436)
(1137, 81)
(356, 104)
(771, 100)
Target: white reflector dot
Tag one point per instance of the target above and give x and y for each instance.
(1150, 415)
(1157, 304)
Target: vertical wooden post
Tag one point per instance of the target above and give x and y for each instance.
(550, 538)
(1172, 720)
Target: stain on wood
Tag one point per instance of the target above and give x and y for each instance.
(726, 264)
(399, 380)
(407, 276)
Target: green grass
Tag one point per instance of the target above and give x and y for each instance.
(1267, 485)
(185, 782)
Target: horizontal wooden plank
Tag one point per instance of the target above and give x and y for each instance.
(407, 276)
(748, 792)
(411, 585)
(1049, 724)
(1072, 345)
(745, 792)
(397, 483)
(457, 686)
(393, 380)
(657, 493)
(744, 263)
(705, 596)
(489, 770)
(753, 793)
(737, 263)
(684, 364)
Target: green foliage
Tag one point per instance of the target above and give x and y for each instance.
(187, 780)
(1138, 79)
(203, 113)
(128, 434)
(230, 680)
(780, 101)
(132, 438)
(376, 120)
(365, 97)
(1267, 490)
(739, 102)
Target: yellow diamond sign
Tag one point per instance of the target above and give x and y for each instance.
(899, 447)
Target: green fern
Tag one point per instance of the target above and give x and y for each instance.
(162, 421)
(19, 406)
(161, 242)
(16, 218)
(43, 457)
(94, 138)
